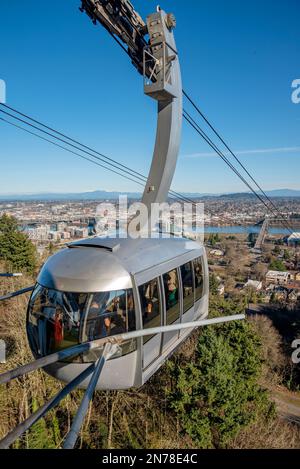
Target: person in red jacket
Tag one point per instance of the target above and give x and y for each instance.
(58, 328)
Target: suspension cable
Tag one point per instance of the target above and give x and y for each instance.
(68, 150)
(215, 132)
(101, 157)
(200, 131)
(230, 151)
(125, 170)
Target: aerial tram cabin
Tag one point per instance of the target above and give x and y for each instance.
(100, 287)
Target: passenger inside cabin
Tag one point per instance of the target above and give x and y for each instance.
(99, 321)
(110, 313)
(172, 288)
(198, 275)
(127, 303)
(149, 298)
(187, 279)
(58, 328)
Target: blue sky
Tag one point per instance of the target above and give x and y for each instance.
(238, 62)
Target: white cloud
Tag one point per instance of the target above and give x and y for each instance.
(258, 151)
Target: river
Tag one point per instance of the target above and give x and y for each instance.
(237, 229)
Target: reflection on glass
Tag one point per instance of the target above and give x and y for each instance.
(54, 320)
(188, 286)
(171, 286)
(150, 306)
(58, 320)
(110, 313)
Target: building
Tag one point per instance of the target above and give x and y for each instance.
(216, 252)
(65, 235)
(38, 233)
(279, 278)
(293, 239)
(254, 285)
(81, 233)
(60, 226)
(54, 236)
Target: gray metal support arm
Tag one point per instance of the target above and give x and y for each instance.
(8, 274)
(16, 293)
(72, 436)
(11, 437)
(110, 347)
(117, 339)
(167, 90)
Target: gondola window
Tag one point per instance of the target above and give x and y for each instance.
(150, 305)
(187, 286)
(198, 273)
(171, 286)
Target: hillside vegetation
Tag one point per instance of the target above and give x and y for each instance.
(213, 393)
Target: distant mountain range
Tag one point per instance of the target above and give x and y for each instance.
(105, 195)
(95, 195)
(283, 193)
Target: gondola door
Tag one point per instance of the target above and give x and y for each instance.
(172, 304)
(151, 308)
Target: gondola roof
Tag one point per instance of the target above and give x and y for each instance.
(106, 264)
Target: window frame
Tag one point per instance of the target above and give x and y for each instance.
(193, 286)
(146, 339)
(81, 333)
(203, 275)
(179, 296)
(83, 337)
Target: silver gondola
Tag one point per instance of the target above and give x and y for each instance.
(100, 287)
(153, 291)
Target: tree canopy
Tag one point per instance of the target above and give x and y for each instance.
(217, 394)
(16, 249)
(277, 264)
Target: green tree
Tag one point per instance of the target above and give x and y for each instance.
(273, 298)
(218, 394)
(251, 296)
(252, 237)
(16, 249)
(277, 264)
(39, 436)
(8, 224)
(213, 239)
(51, 248)
(213, 284)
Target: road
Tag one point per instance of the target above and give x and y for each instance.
(287, 404)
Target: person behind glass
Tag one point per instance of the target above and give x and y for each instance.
(126, 312)
(130, 312)
(187, 281)
(172, 288)
(148, 300)
(58, 328)
(102, 322)
(198, 276)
